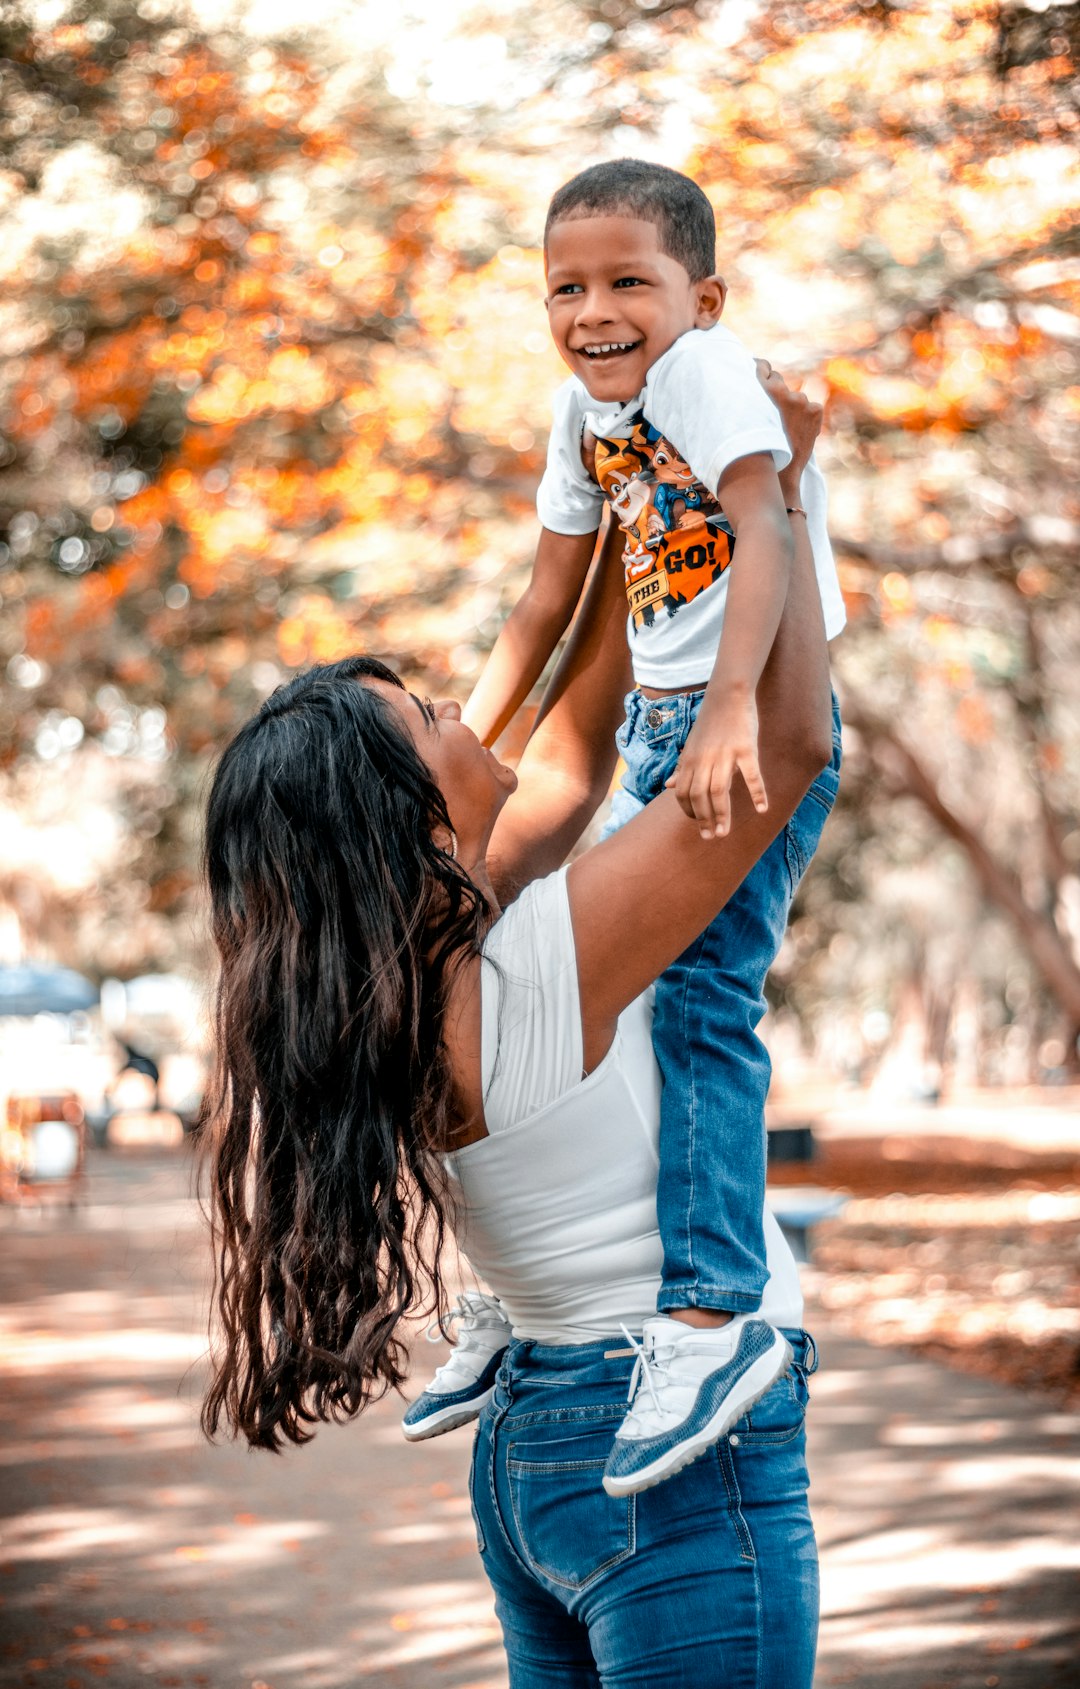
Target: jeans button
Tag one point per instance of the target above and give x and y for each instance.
(734, 1439)
(655, 718)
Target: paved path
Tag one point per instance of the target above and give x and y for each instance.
(134, 1554)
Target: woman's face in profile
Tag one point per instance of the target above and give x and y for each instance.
(474, 783)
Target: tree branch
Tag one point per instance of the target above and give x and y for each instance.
(1045, 944)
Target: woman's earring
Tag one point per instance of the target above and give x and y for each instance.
(452, 852)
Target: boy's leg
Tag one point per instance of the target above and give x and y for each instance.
(648, 742)
(716, 1074)
(711, 1188)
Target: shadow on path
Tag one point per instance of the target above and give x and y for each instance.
(136, 1554)
(946, 1510)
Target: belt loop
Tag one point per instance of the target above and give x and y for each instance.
(516, 1353)
(810, 1364)
(503, 1397)
(503, 1391)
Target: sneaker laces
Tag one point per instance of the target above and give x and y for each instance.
(657, 1373)
(477, 1329)
(465, 1317)
(642, 1373)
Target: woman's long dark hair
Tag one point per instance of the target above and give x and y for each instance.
(338, 921)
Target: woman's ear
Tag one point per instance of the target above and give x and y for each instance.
(711, 294)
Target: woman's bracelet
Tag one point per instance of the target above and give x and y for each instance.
(795, 510)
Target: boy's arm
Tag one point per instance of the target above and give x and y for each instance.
(725, 735)
(565, 769)
(531, 632)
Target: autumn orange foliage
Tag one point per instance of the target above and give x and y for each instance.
(286, 394)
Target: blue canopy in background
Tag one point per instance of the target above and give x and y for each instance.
(42, 989)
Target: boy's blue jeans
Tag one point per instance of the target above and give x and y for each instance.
(707, 1581)
(715, 1069)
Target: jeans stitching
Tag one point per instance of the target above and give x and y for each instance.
(496, 1510)
(513, 1465)
(692, 1142)
(734, 1498)
(567, 1416)
(823, 795)
(481, 1539)
(537, 1570)
(769, 1439)
(798, 860)
(796, 867)
(758, 1627)
(752, 1438)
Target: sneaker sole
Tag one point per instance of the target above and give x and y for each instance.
(756, 1380)
(447, 1419)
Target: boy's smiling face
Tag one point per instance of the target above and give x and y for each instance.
(616, 301)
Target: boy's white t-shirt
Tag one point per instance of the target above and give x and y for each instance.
(702, 395)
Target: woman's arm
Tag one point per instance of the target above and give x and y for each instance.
(565, 770)
(530, 633)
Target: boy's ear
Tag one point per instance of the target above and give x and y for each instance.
(711, 294)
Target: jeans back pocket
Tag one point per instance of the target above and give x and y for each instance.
(780, 1414)
(570, 1530)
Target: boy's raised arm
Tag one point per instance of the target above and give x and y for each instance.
(724, 738)
(531, 632)
(565, 769)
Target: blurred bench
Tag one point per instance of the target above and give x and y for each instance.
(799, 1208)
(788, 1144)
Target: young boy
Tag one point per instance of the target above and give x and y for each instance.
(665, 419)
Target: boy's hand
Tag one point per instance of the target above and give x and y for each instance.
(724, 738)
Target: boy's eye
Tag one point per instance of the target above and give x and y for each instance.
(628, 281)
(569, 287)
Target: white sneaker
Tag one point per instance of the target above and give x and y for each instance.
(465, 1383)
(688, 1386)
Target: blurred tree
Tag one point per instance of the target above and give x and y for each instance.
(225, 452)
(278, 383)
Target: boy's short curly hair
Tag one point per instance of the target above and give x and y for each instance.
(631, 187)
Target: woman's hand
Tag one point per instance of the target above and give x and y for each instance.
(802, 424)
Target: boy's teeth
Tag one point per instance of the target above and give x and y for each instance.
(611, 346)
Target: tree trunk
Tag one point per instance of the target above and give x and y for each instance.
(1045, 944)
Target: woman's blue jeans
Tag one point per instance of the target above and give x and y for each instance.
(707, 1581)
(716, 1070)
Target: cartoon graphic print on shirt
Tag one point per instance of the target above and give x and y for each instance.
(678, 540)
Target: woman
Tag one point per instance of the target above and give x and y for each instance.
(397, 1055)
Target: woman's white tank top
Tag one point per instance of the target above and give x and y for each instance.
(558, 1203)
